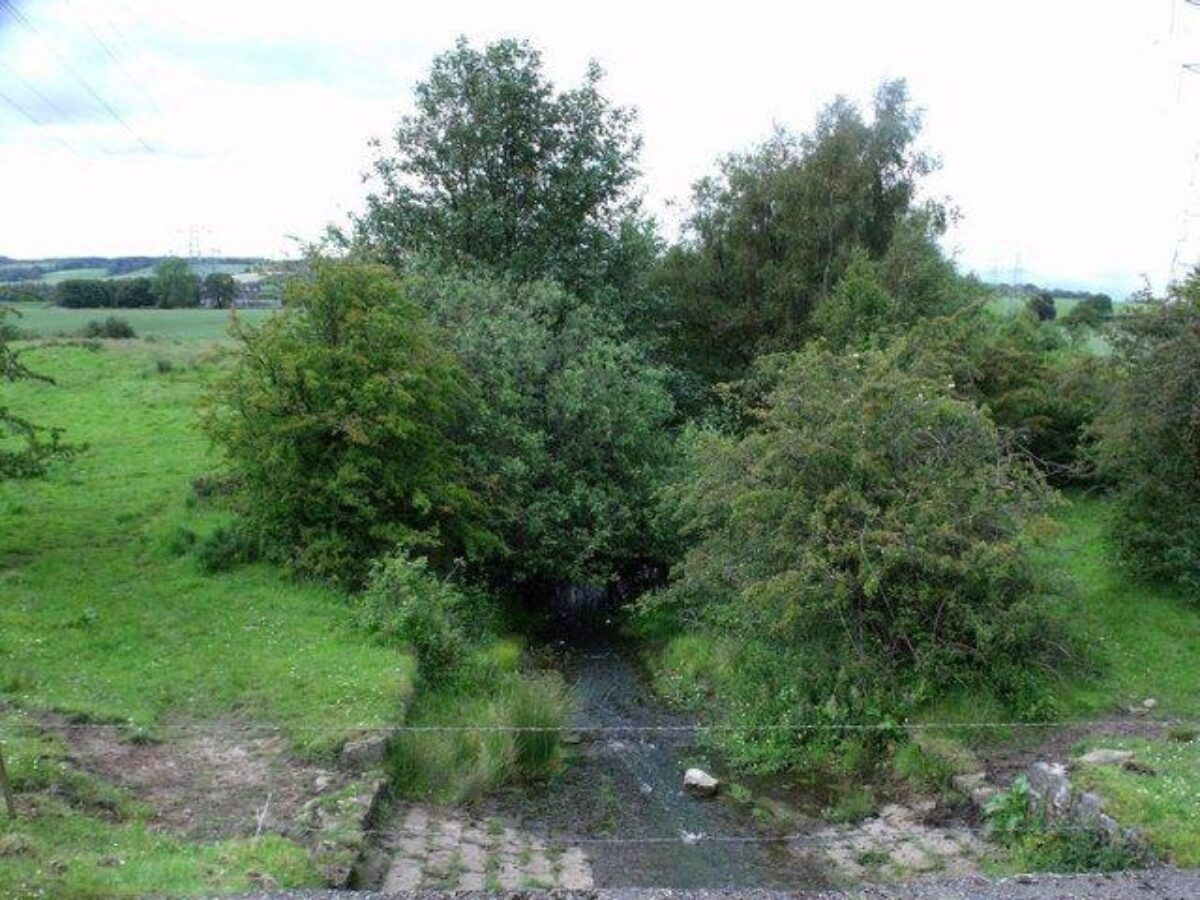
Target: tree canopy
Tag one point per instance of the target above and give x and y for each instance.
(775, 230)
(342, 424)
(497, 167)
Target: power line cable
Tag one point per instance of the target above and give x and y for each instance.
(117, 61)
(49, 104)
(65, 63)
(36, 121)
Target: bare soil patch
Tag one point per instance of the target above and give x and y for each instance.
(205, 781)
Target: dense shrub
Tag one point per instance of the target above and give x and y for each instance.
(1089, 312)
(1148, 443)
(858, 554)
(131, 293)
(407, 604)
(1038, 389)
(343, 421)
(114, 327)
(96, 293)
(224, 549)
(569, 444)
(1041, 306)
(84, 293)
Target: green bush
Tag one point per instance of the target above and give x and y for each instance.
(405, 603)
(344, 424)
(224, 549)
(1148, 446)
(1042, 393)
(861, 552)
(113, 327)
(570, 446)
(84, 293)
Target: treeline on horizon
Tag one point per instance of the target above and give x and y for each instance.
(17, 270)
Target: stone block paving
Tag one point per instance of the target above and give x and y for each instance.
(442, 849)
(896, 845)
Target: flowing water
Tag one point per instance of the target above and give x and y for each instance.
(622, 796)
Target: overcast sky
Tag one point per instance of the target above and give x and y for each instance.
(1069, 130)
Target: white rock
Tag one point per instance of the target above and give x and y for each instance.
(1106, 757)
(1149, 703)
(700, 783)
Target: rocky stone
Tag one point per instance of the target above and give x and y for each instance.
(700, 783)
(1050, 787)
(363, 754)
(1104, 757)
(976, 786)
(1149, 703)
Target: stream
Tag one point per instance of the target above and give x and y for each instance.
(623, 795)
(616, 816)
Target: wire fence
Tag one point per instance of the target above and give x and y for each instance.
(584, 729)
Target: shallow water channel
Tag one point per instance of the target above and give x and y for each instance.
(617, 816)
(622, 797)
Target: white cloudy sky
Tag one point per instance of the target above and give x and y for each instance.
(1069, 129)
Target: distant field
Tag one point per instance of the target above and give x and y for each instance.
(199, 268)
(45, 320)
(1010, 304)
(68, 274)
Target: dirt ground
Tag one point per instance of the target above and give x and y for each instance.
(225, 779)
(205, 781)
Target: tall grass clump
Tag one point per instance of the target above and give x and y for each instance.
(510, 732)
(480, 721)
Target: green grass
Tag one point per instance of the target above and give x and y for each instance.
(1164, 805)
(106, 616)
(1147, 636)
(455, 766)
(75, 856)
(192, 325)
(68, 274)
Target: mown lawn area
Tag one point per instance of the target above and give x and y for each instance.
(105, 616)
(193, 325)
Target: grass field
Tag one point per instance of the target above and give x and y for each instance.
(68, 274)
(107, 617)
(45, 320)
(1147, 636)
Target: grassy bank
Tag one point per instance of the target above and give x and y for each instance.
(107, 617)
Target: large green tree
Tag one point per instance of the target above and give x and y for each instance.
(772, 234)
(220, 288)
(175, 284)
(571, 441)
(497, 167)
(342, 422)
